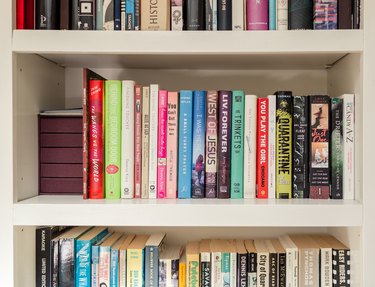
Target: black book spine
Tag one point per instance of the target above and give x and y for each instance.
(300, 14)
(345, 14)
(117, 15)
(282, 270)
(65, 7)
(347, 268)
(337, 146)
(356, 14)
(55, 263)
(66, 262)
(224, 152)
(195, 14)
(341, 268)
(300, 147)
(43, 255)
(252, 270)
(242, 264)
(74, 15)
(47, 15)
(273, 270)
(86, 15)
(209, 15)
(137, 15)
(224, 14)
(205, 276)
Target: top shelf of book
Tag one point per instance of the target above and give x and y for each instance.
(190, 49)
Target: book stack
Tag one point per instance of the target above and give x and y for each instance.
(146, 142)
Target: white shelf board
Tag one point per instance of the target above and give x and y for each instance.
(190, 49)
(73, 210)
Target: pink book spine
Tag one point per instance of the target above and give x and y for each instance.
(162, 144)
(172, 142)
(138, 141)
(257, 14)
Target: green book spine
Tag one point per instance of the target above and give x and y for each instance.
(112, 130)
(225, 268)
(236, 180)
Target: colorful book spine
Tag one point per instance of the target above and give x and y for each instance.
(224, 146)
(127, 151)
(262, 148)
(172, 144)
(225, 268)
(123, 15)
(99, 14)
(250, 141)
(155, 15)
(112, 132)
(300, 147)
(138, 141)
(349, 145)
(130, 11)
(208, 11)
(20, 14)
(224, 14)
(176, 16)
(257, 14)
(271, 146)
(153, 150)
(182, 274)
(135, 268)
(337, 149)
(108, 15)
(162, 144)
(117, 14)
(325, 14)
(272, 14)
(194, 15)
(237, 142)
(185, 143)
(284, 140)
(114, 268)
(282, 15)
(145, 139)
(238, 15)
(300, 14)
(104, 265)
(96, 158)
(211, 145)
(199, 140)
(319, 147)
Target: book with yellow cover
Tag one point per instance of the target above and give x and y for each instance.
(182, 271)
(135, 260)
(192, 264)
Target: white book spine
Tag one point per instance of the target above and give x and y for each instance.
(282, 14)
(263, 269)
(169, 273)
(176, 18)
(349, 140)
(295, 267)
(237, 15)
(127, 146)
(216, 278)
(122, 268)
(123, 14)
(271, 146)
(250, 131)
(153, 156)
(233, 269)
(326, 267)
(214, 15)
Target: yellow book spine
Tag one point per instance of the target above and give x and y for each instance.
(182, 275)
(192, 262)
(134, 270)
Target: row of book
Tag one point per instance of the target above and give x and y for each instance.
(225, 144)
(188, 14)
(96, 257)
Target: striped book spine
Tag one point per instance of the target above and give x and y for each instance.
(162, 144)
(153, 147)
(138, 141)
(123, 14)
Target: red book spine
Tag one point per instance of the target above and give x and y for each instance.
(262, 148)
(29, 14)
(96, 163)
(20, 19)
(138, 141)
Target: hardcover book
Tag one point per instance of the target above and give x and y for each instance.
(153, 248)
(129, 16)
(211, 145)
(177, 17)
(272, 15)
(224, 14)
(199, 140)
(257, 14)
(282, 15)
(86, 15)
(108, 15)
(99, 14)
(137, 15)
(300, 14)
(337, 148)
(156, 14)
(20, 14)
(138, 141)
(319, 147)
(271, 146)
(194, 14)
(162, 144)
(153, 147)
(325, 14)
(117, 14)
(145, 139)
(65, 8)
(172, 144)
(345, 14)
(46, 14)
(209, 14)
(262, 148)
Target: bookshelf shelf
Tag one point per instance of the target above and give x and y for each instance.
(73, 210)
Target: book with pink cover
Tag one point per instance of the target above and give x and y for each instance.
(257, 14)
(162, 144)
(137, 141)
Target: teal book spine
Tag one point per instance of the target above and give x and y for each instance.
(225, 268)
(114, 268)
(272, 14)
(237, 160)
(95, 265)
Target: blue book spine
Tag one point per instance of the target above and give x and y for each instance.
(115, 268)
(117, 14)
(272, 14)
(99, 15)
(199, 144)
(185, 143)
(151, 268)
(130, 11)
(95, 265)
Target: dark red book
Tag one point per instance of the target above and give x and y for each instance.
(20, 18)
(137, 141)
(96, 159)
(262, 148)
(29, 14)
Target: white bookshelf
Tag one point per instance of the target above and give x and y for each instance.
(42, 69)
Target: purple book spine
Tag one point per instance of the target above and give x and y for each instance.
(224, 136)
(257, 14)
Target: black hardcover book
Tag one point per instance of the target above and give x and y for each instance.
(65, 7)
(224, 14)
(300, 147)
(282, 269)
(74, 14)
(242, 266)
(194, 14)
(86, 14)
(209, 15)
(345, 14)
(356, 14)
(337, 148)
(300, 14)
(340, 267)
(137, 15)
(47, 15)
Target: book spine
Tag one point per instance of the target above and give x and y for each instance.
(347, 268)
(263, 269)
(104, 266)
(153, 159)
(326, 267)
(20, 14)
(85, 134)
(208, 11)
(114, 276)
(300, 14)
(152, 266)
(185, 143)
(74, 14)
(337, 148)
(65, 8)
(282, 15)
(96, 158)
(309, 267)
(252, 269)
(173, 273)
(182, 274)
(225, 268)
(122, 268)
(271, 146)
(325, 15)
(66, 262)
(319, 147)
(282, 270)
(145, 139)
(138, 141)
(108, 15)
(83, 263)
(162, 144)
(43, 257)
(46, 14)
(99, 14)
(273, 276)
(117, 14)
(257, 14)
(156, 15)
(135, 268)
(127, 150)
(205, 268)
(233, 269)
(54, 263)
(123, 15)
(250, 136)
(262, 148)
(163, 278)
(137, 15)
(130, 11)
(289, 268)
(224, 152)
(284, 112)
(211, 145)
(300, 147)
(112, 131)
(86, 14)
(349, 148)
(29, 17)
(242, 263)
(345, 14)
(199, 140)
(193, 270)
(177, 16)
(237, 160)
(214, 15)
(216, 278)
(224, 14)
(172, 144)
(238, 15)
(272, 14)
(194, 15)
(94, 266)
(296, 266)
(356, 14)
